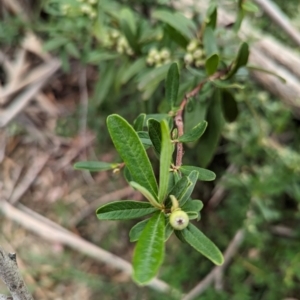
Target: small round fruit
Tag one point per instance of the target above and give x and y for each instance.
(179, 219)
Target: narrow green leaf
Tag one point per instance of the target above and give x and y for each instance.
(95, 57)
(127, 174)
(211, 64)
(136, 230)
(149, 252)
(211, 51)
(229, 106)
(105, 83)
(250, 7)
(210, 139)
(55, 43)
(211, 16)
(193, 215)
(128, 27)
(172, 85)
(138, 123)
(176, 20)
(94, 166)
(193, 236)
(203, 174)
(155, 134)
(175, 36)
(240, 61)
(134, 69)
(72, 50)
(145, 193)
(132, 152)
(227, 85)
(168, 231)
(152, 77)
(165, 161)
(256, 68)
(194, 134)
(124, 210)
(193, 205)
(192, 177)
(179, 190)
(144, 137)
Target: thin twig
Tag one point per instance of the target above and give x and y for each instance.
(29, 178)
(179, 114)
(217, 271)
(77, 243)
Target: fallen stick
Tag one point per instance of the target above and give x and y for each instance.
(77, 243)
(277, 15)
(10, 275)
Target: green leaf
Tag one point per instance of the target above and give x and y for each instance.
(124, 210)
(132, 152)
(127, 174)
(134, 69)
(211, 51)
(194, 134)
(193, 236)
(136, 230)
(138, 123)
(168, 231)
(176, 20)
(192, 177)
(256, 68)
(145, 193)
(149, 252)
(72, 50)
(210, 139)
(105, 83)
(179, 190)
(153, 77)
(95, 57)
(193, 205)
(211, 64)
(155, 134)
(175, 36)
(172, 85)
(240, 61)
(229, 106)
(94, 166)
(165, 161)
(250, 7)
(192, 215)
(227, 85)
(128, 27)
(55, 43)
(144, 137)
(211, 16)
(203, 174)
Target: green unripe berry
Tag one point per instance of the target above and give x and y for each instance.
(179, 219)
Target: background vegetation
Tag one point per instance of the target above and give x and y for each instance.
(256, 156)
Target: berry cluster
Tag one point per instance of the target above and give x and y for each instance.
(158, 58)
(113, 39)
(85, 7)
(195, 54)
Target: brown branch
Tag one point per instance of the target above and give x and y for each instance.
(179, 114)
(10, 275)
